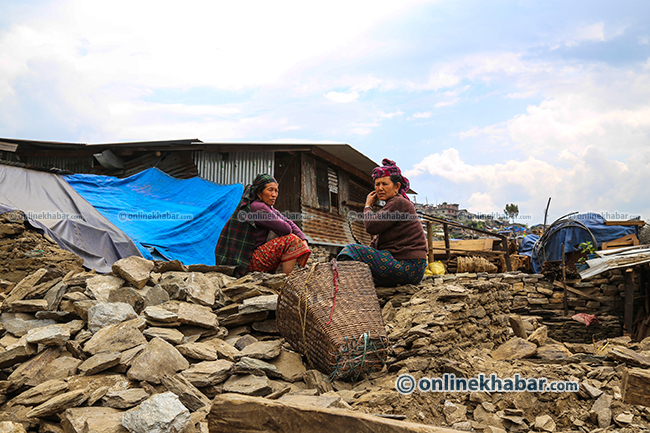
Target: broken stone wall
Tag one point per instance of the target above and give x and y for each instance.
(432, 319)
(602, 296)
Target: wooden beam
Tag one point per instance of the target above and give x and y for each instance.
(354, 204)
(430, 241)
(8, 147)
(240, 413)
(564, 298)
(340, 163)
(629, 300)
(639, 223)
(445, 228)
(576, 291)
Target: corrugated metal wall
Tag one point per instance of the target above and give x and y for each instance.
(75, 164)
(237, 167)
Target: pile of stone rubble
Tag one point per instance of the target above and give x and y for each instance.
(161, 347)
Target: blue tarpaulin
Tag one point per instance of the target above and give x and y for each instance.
(571, 234)
(169, 218)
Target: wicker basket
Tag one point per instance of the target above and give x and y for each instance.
(340, 330)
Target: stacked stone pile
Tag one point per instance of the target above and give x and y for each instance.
(437, 318)
(24, 251)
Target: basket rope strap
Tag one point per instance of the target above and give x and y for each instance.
(353, 356)
(335, 270)
(303, 315)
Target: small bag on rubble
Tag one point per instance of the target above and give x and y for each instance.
(330, 313)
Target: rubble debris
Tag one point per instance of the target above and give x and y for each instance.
(61, 369)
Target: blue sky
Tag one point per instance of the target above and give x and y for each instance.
(481, 103)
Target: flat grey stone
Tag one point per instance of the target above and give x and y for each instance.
(259, 303)
(20, 324)
(157, 359)
(208, 373)
(124, 398)
(41, 393)
(99, 362)
(203, 351)
(134, 269)
(101, 286)
(170, 335)
(257, 386)
(92, 419)
(263, 349)
(160, 413)
(257, 367)
(189, 395)
(52, 335)
(106, 313)
(118, 337)
(200, 289)
(160, 314)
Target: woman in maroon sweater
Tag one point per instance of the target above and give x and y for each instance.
(398, 251)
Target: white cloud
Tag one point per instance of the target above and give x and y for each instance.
(446, 103)
(391, 115)
(361, 130)
(593, 32)
(342, 98)
(90, 64)
(481, 202)
(590, 181)
(421, 115)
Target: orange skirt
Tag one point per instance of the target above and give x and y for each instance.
(267, 257)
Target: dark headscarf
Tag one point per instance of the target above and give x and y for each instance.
(251, 191)
(390, 168)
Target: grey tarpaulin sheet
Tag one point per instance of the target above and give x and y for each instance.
(51, 204)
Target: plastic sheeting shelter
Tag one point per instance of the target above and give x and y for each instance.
(549, 248)
(53, 207)
(168, 218)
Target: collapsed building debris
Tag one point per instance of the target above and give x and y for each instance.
(159, 346)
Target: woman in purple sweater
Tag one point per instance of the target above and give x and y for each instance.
(398, 251)
(259, 238)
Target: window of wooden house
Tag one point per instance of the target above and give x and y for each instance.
(333, 185)
(322, 186)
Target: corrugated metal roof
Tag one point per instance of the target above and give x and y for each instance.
(73, 164)
(617, 258)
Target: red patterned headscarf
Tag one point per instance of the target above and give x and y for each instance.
(390, 168)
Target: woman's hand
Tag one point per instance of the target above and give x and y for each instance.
(306, 244)
(371, 198)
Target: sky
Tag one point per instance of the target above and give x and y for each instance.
(481, 103)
